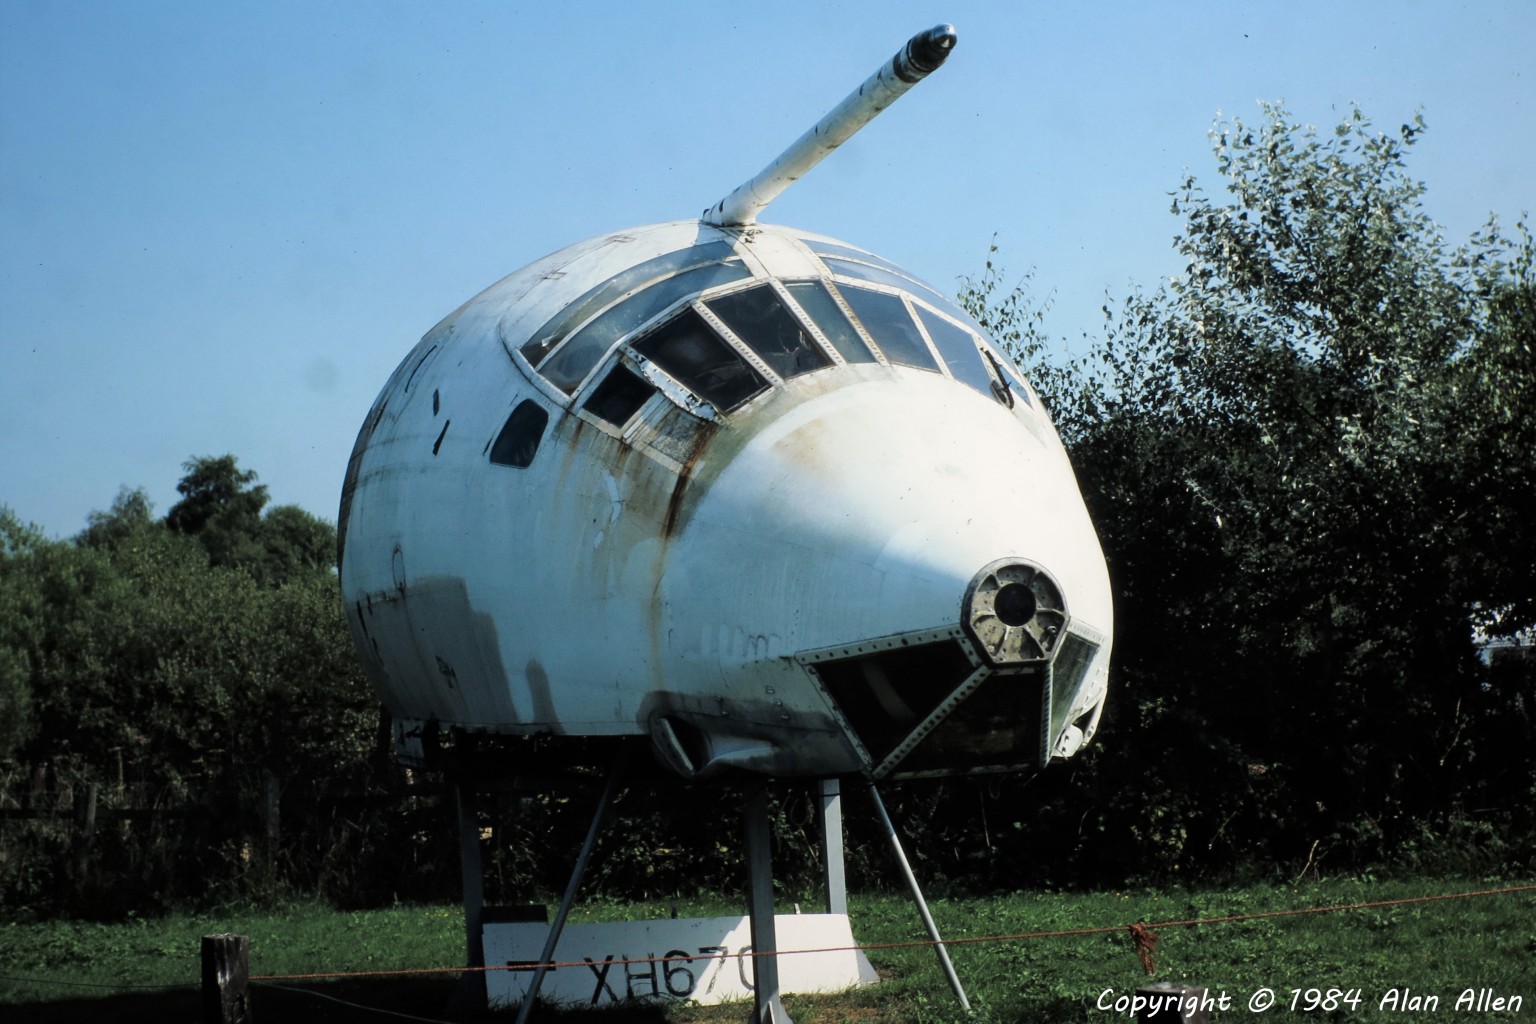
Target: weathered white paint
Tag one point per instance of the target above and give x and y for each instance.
(609, 582)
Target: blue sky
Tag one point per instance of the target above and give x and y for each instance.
(222, 225)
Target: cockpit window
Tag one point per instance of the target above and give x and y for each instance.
(757, 317)
(688, 348)
(519, 439)
(573, 360)
(886, 319)
(864, 267)
(726, 348)
(958, 347)
(851, 263)
(544, 340)
(619, 396)
(813, 297)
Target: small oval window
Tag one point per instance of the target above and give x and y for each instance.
(519, 439)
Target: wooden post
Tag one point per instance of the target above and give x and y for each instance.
(226, 972)
(85, 834)
(470, 994)
(271, 814)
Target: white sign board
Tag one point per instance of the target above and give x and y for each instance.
(705, 959)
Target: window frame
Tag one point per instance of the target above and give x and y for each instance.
(915, 297)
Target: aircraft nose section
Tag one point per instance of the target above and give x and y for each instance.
(890, 506)
(896, 556)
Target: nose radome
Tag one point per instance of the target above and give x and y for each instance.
(868, 511)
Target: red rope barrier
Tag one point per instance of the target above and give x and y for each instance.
(1145, 943)
(1142, 935)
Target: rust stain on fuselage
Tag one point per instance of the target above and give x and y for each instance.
(670, 522)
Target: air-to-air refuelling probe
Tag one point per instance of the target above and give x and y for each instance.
(755, 493)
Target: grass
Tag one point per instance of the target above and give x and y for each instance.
(1436, 949)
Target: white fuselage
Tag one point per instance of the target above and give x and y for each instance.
(595, 501)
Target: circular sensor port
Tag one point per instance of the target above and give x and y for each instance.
(1014, 604)
(1015, 612)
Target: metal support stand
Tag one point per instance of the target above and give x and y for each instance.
(832, 845)
(547, 956)
(917, 898)
(767, 1007)
(471, 991)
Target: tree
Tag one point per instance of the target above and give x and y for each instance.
(131, 513)
(19, 602)
(1305, 457)
(294, 540)
(134, 660)
(1497, 383)
(221, 506)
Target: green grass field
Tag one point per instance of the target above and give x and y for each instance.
(1420, 950)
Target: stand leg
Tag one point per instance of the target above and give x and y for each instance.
(558, 924)
(767, 1007)
(832, 845)
(471, 991)
(917, 898)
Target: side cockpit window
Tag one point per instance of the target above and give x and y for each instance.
(547, 338)
(519, 439)
(586, 348)
(888, 322)
(958, 347)
(1003, 381)
(566, 348)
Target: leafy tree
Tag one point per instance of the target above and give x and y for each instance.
(221, 505)
(131, 660)
(1495, 380)
(294, 540)
(131, 513)
(1306, 457)
(19, 602)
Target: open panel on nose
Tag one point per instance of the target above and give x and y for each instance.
(929, 707)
